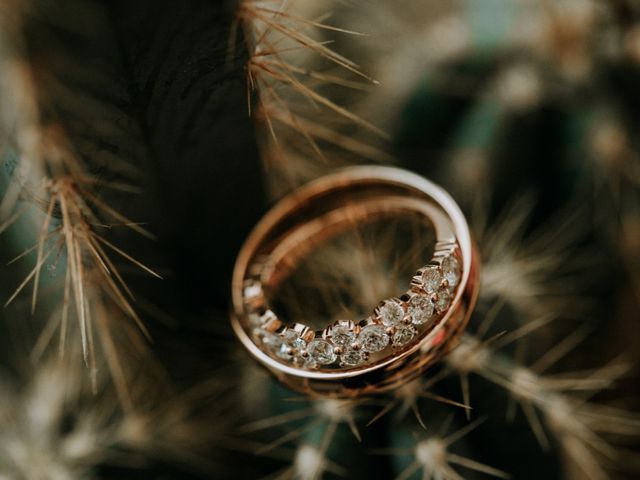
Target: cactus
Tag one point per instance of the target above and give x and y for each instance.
(141, 141)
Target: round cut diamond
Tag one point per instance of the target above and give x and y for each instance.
(293, 339)
(321, 351)
(352, 358)
(285, 351)
(431, 278)
(270, 340)
(420, 309)
(267, 337)
(373, 338)
(403, 335)
(342, 336)
(391, 313)
(299, 343)
(252, 290)
(290, 345)
(444, 297)
(451, 271)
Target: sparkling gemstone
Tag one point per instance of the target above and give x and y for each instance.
(292, 338)
(444, 297)
(284, 351)
(269, 339)
(373, 338)
(321, 351)
(252, 290)
(286, 345)
(432, 278)
(403, 335)
(299, 343)
(342, 336)
(391, 313)
(451, 271)
(420, 309)
(352, 357)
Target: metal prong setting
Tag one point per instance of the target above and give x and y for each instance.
(395, 323)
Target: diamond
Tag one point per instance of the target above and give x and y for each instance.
(291, 345)
(391, 313)
(293, 339)
(252, 290)
(299, 343)
(451, 271)
(321, 351)
(342, 336)
(285, 351)
(269, 339)
(444, 297)
(431, 278)
(420, 309)
(373, 338)
(403, 335)
(352, 358)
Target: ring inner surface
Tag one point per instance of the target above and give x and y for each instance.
(348, 272)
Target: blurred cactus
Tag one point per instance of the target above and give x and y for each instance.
(126, 118)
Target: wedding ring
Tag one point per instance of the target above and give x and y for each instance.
(403, 335)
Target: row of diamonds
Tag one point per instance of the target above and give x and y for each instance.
(394, 322)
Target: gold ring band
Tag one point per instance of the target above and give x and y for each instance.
(404, 335)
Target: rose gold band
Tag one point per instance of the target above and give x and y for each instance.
(404, 335)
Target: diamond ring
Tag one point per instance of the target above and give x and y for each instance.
(403, 335)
